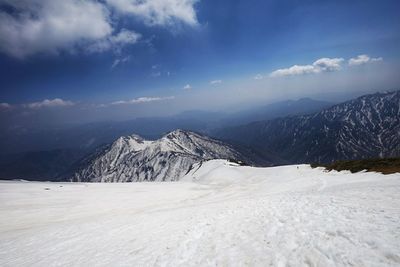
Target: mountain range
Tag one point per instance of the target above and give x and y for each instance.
(38, 152)
(15, 139)
(365, 127)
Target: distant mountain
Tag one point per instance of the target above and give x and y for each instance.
(133, 159)
(301, 106)
(38, 165)
(366, 127)
(86, 137)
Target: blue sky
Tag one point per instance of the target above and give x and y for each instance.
(156, 57)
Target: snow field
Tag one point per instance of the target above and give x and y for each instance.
(218, 215)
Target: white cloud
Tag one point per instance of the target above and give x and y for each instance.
(328, 64)
(56, 102)
(29, 27)
(38, 26)
(363, 59)
(258, 77)
(293, 70)
(115, 42)
(320, 65)
(158, 12)
(187, 87)
(142, 100)
(216, 82)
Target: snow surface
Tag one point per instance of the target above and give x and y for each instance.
(220, 214)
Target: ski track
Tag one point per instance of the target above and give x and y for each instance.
(230, 216)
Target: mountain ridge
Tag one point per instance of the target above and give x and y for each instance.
(368, 126)
(133, 159)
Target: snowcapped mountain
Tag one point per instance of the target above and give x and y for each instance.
(366, 127)
(133, 159)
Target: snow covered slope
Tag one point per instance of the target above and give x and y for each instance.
(133, 159)
(218, 215)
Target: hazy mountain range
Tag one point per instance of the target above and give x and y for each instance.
(14, 140)
(301, 131)
(44, 153)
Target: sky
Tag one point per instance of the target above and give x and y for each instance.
(88, 60)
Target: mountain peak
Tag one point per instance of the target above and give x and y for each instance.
(179, 133)
(176, 132)
(132, 159)
(130, 143)
(181, 137)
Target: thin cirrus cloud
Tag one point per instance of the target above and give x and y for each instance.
(141, 100)
(319, 66)
(58, 102)
(119, 61)
(258, 77)
(187, 87)
(216, 82)
(48, 26)
(363, 59)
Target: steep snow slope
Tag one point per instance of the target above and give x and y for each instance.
(219, 215)
(133, 159)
